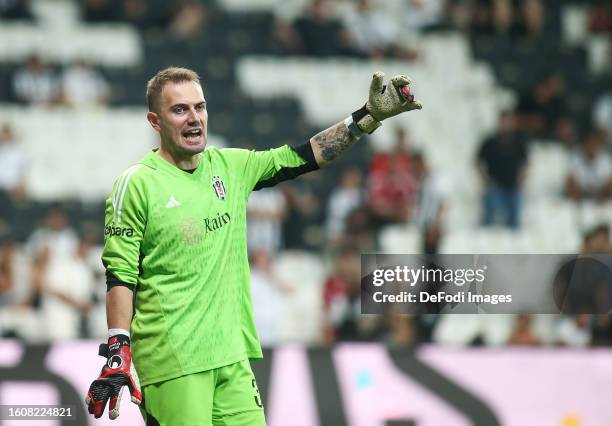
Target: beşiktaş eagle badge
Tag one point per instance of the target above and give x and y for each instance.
(219, 187)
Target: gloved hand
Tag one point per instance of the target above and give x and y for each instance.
(117, 373)
(385, 101)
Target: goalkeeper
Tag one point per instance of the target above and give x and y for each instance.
(179, 302)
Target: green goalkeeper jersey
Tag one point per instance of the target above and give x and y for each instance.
(180, 239)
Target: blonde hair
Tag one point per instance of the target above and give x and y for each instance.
(168, 75)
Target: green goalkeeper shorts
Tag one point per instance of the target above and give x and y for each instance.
(225, 396)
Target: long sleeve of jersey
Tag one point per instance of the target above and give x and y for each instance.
(263, 169)
(124, 227)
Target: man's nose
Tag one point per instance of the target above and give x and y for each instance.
(193, 116)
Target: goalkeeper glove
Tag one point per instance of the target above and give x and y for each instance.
(117, 373)
(385, 101)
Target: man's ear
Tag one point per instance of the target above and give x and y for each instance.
(153, 120)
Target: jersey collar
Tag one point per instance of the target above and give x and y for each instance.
(155, 161)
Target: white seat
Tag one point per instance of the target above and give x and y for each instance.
(575, 23)
(400, 239)
(547, 170)
(598, 47)
(305, 274)
(57, 13)
(111, 45)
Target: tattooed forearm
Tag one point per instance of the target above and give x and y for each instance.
(329, 143)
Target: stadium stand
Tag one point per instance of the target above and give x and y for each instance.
(261, 96)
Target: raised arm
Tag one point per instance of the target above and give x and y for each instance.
(384, 101)
(329, 143)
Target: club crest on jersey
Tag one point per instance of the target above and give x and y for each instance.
(219, 187)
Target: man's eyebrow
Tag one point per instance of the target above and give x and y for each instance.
(182, 104)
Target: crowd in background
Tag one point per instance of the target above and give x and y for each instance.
(55, 276)
(79, 85)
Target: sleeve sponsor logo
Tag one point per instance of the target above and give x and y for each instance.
(118, 231)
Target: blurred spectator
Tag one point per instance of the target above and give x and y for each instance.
(583, 287)
(316, 33)
(502, 164)
(342, 302)
(402, 330)
(15, 9)
(599, 240)
(342, 200)
(602, 115)
(566, 132)
(416, 16)
(266, 209)
(601, 330)
(583, 284)
(575, 331)
(7, 252)
(188, 19)
(590, 170)
(101, 10)
(36, 84)
(543, 109)
(533, 16)
(66, 294)
(473, 329)
(391, 183)
(303, 227)
(136, 13)
(480, 16)
(600, 20)
(55, 238)
(523, 333)
(496, 17)
(430, 204)
(360, 230)
(503, 17)
(286, 37)
(96, 317)
(19, 315)
(267, 298)
(84, 86)
(607, 65)
(373, 33)
(460, 15)
(53, 242)
(12, 169)
(602, 323)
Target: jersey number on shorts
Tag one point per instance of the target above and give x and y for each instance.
(257, 398)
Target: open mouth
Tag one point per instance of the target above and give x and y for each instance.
(193, 135)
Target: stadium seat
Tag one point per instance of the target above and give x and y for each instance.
(108, 44)
(575, 23)
(598, 48)
(82, 152)
(303, 305)
(400, 239)
(548, 164)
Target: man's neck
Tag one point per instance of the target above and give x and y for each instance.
(188, 163)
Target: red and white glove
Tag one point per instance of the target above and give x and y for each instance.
(117, 373)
